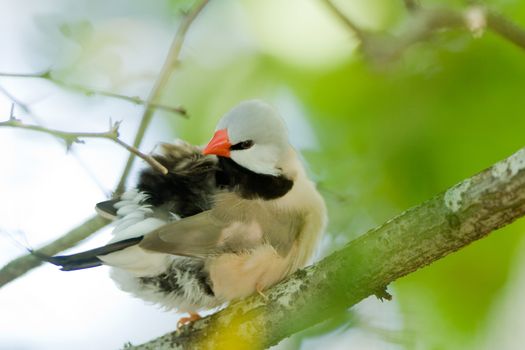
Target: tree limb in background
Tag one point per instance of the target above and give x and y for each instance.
(169, 66)
(26, 263)
(23, 264)
(506, 28)
(47, 75)
(424, 23)
(75, 137)
(359, 33)
(450, 221)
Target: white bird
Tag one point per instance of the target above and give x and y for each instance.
(227, 221)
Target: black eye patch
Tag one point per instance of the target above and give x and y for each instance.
(242, 145)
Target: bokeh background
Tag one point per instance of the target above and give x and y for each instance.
(378, 137)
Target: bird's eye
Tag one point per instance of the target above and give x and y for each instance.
(242, 145)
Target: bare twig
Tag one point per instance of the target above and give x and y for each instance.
(39, 122)
(12, 112)
(381, 47)
(44, 75)
(21, 265)
(450, 221)
(474, 19)
(13, 99)
(90, 91)
(361, 34)
(423, 25)
(167, 69)
(76, 137)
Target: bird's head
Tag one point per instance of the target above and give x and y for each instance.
(254, 136)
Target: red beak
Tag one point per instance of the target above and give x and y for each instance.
(219, 144)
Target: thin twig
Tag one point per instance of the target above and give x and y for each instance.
(18, 267)
(16, 101)
(76, 137)
(90, 91)
(359, 33)
(133, 99)
(43, 75)
(12, 111)
(167, 69)
(39, 122)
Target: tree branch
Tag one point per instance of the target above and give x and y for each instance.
(506, 28)
(89, 91)
(13, 99)
(75, 137)
(167, 69)
(23, 264)
(359, 33)
(424, 23)
(450, 221)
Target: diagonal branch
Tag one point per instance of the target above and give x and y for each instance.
(14, 100)
(506, 28)
(167, 69)
(444, 224)
(361, 34)
(75, 137)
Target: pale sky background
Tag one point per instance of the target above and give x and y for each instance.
(46, 191)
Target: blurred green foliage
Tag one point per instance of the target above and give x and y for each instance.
(391, 137)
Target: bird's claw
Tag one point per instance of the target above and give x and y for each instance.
(187, 320)
(260, 292)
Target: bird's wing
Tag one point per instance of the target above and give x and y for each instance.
(210, 233)
(198, 235)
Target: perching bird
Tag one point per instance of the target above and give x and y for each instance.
(225, 222)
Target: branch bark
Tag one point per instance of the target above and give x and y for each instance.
(23, 264)
(450, 221)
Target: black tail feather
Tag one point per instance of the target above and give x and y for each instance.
(88, 258)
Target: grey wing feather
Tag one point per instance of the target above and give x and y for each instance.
(198, 235)
(230, 230)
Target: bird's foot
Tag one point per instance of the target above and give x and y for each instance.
(190, 319)
(259, 290)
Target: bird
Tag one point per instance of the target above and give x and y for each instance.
(229, 220)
